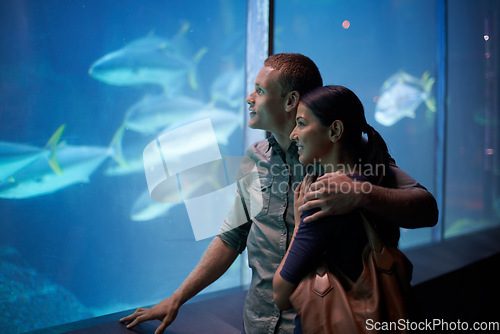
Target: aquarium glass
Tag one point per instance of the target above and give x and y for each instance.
(86, 87)
(110, 113)
(386, 52)
(472, 181)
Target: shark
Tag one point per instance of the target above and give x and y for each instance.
(16, 156)
(224, 122)
(160, 114)
(155, 112)
(148, 60)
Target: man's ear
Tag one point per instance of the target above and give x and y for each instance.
(292, 100)
(336, 130)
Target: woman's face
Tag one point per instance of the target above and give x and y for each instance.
(312, 138)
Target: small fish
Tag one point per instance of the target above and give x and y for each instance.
(149, 60)
(401, 95)
(14, 156)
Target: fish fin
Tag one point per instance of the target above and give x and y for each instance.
(184, 29)
(427, 85)
(407, 77)
(54, 164)
(54, 139)
(116, 146)
(431, 104)
(52, 145)
(424, 78)
(193, 82)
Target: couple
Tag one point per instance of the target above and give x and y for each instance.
(274, 106)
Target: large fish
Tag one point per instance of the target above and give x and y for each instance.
(160, 115)
(155, 112)
(401, 95)
(14, 156)
(149, 60)
(224, 123)
(77, 163)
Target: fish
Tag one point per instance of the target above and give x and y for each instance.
(224, 123)
(401, 95)
(188, 110)
(155, 112)
(77, 164)
(16, 156)
(148, 60)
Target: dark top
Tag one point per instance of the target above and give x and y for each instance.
(340, 240)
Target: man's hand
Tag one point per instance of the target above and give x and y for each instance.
(165, 311)
(300, 193)
(334, 193)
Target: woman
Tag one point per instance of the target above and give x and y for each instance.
(329, 125)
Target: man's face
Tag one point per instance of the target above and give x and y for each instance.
(266, 104)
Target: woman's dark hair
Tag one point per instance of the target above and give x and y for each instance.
(330, 103)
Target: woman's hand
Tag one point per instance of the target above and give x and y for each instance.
(299, 195)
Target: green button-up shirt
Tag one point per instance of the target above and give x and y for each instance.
(267, 173)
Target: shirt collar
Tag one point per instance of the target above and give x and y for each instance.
(273, 143)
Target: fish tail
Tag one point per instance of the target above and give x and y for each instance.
(184, 29)
(428, 85)
(52, 145)
(424, 77)
(116, 145)
(430, 102)
(193, 81)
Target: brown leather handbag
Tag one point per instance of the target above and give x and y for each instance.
(380, 298)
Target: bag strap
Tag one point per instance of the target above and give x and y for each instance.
(384, 259)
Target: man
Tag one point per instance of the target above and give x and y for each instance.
(273, 105)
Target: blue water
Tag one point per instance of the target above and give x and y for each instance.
(77, 251)
(81, 239)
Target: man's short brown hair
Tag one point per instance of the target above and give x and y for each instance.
(297, 72)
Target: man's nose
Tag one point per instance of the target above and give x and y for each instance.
(249, 99)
